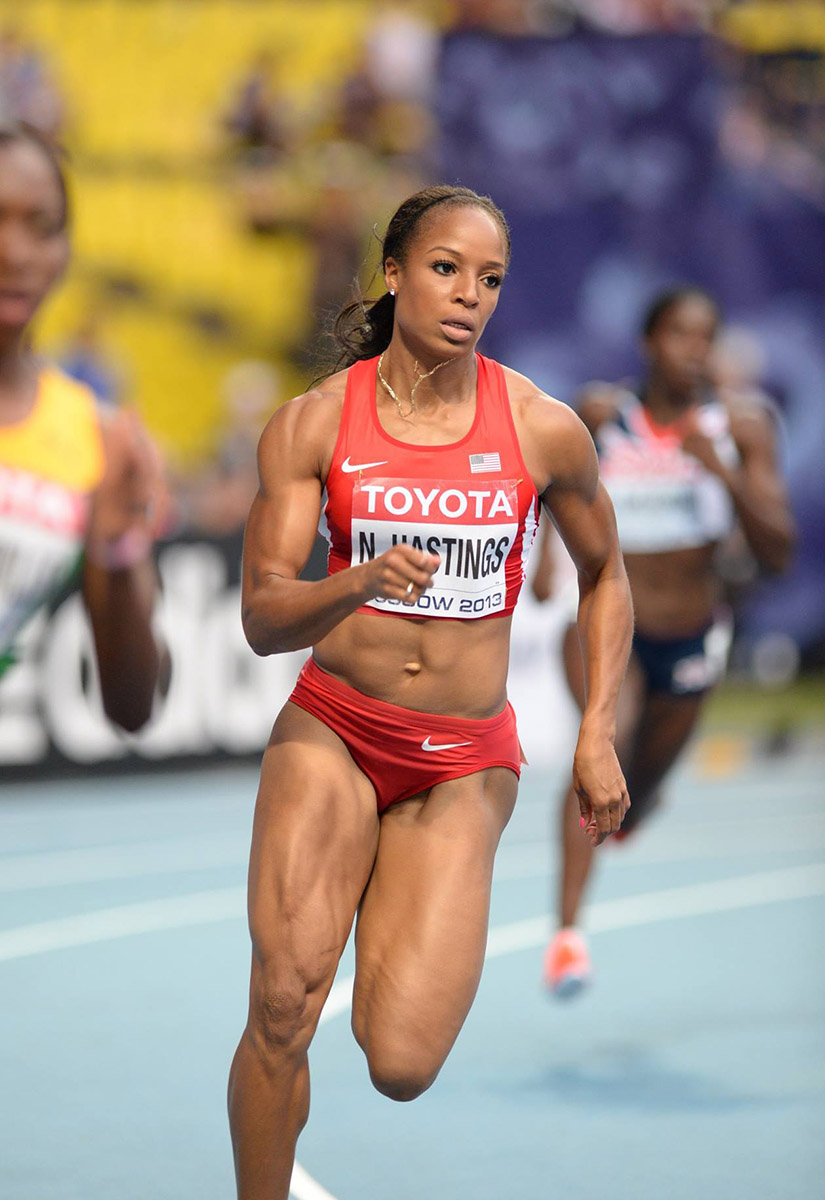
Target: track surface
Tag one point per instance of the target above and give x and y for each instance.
(692, 1068)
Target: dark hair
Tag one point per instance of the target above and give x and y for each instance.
(363, 328)
(19, 133)
(672, 298)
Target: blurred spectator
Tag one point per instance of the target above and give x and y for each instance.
(339, 228)
(217, 500)
(261, 125)
(382, 118)
(27, 91)
(358, 105)
(402, 52)
(751, 140)
(256, 118)
(386, 102)
(775, 57)
(644, 16)
(508, 17)
(622, 17)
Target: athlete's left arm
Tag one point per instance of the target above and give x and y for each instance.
(755, 485)
(119, 578)
(565, 466)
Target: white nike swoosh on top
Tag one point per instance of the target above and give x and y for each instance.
(347, 467)
(425, 745)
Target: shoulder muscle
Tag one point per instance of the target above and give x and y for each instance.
(555, 444)
(298, 440)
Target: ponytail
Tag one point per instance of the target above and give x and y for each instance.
(363, 329)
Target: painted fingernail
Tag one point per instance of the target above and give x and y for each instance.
(581, 823)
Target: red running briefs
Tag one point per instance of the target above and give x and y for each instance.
(403, 752)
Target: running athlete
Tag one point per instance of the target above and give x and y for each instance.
(392, 771)
(682, 468)
(72, 485)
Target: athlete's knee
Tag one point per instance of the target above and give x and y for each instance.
(399, 1069)
(401, 1079)
(282, 1015)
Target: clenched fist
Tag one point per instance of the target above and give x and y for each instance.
(402, 573)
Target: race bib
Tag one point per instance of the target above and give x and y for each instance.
(471, 527)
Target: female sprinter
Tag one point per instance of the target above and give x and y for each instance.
(681, 468)
(69, 482)
(392, 771)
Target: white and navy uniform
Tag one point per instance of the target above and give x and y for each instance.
(666, 500)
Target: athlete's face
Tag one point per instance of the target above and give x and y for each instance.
(33, 240)
(448, 285)
(680, 345)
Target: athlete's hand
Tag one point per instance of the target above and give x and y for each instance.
(697, 443)
(391, 574)
(541, 584)
(598, 402)
(600, 787)
(131, 495)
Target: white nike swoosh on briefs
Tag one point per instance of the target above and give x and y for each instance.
(347, 467)
(425, 745)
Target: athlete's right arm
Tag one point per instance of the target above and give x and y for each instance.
(280, 611)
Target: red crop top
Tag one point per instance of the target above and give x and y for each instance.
(472, 502)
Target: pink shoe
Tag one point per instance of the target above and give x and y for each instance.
(567, 964)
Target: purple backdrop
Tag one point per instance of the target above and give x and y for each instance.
(604, 154)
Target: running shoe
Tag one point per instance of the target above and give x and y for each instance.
(566, 964)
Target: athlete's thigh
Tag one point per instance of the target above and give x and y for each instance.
(313, 845)
(422, 926)
(665, 725)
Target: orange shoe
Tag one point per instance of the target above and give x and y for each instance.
(567, 964)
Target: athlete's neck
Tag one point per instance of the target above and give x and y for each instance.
(436, 381)
(666, 404)
(18, 382)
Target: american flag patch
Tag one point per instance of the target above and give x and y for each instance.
(481, 464)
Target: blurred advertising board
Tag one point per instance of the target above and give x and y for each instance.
(222, 699)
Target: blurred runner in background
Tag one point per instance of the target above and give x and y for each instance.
(75, 485)
(684, 465)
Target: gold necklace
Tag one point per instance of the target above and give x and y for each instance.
(405, 416)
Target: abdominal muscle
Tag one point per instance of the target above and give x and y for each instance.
(675, 593)
(455, 668)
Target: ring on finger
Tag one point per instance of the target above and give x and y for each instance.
(409, 590)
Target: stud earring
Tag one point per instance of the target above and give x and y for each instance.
(392, 292)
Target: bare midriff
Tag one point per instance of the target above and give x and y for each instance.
(458, 668)
(675, 593)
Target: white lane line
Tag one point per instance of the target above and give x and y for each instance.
(708, 795)
(305, 1187)
(516, 860)
(56, 868)
(669, 904)
(222, 904)
(105, 925)
(96, 864)
(532, 861)
(201, 908)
